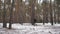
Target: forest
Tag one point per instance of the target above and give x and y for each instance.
(29, 11)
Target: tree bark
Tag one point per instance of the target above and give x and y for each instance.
(32, 9)
(54, 13)
(11, 14)
(51, 17)
(4, 15)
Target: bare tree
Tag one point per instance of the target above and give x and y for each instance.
(17, 10)
(4, 15)
(45, 12)
(32, 9)
(55, 11)
(58, 7)
(51, 17)
(0, 10)
(11, 14)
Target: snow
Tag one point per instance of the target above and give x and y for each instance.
(30, 29)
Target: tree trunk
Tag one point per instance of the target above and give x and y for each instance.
(54, 13)
(32, 9)
(0, 10)
(4, 15)
(11, 14)
(45, 12)
(51, 17)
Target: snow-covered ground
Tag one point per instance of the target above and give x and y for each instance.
(27, 28)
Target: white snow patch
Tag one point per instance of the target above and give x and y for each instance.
(56, 24)
(47, 24)
(39, 24)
